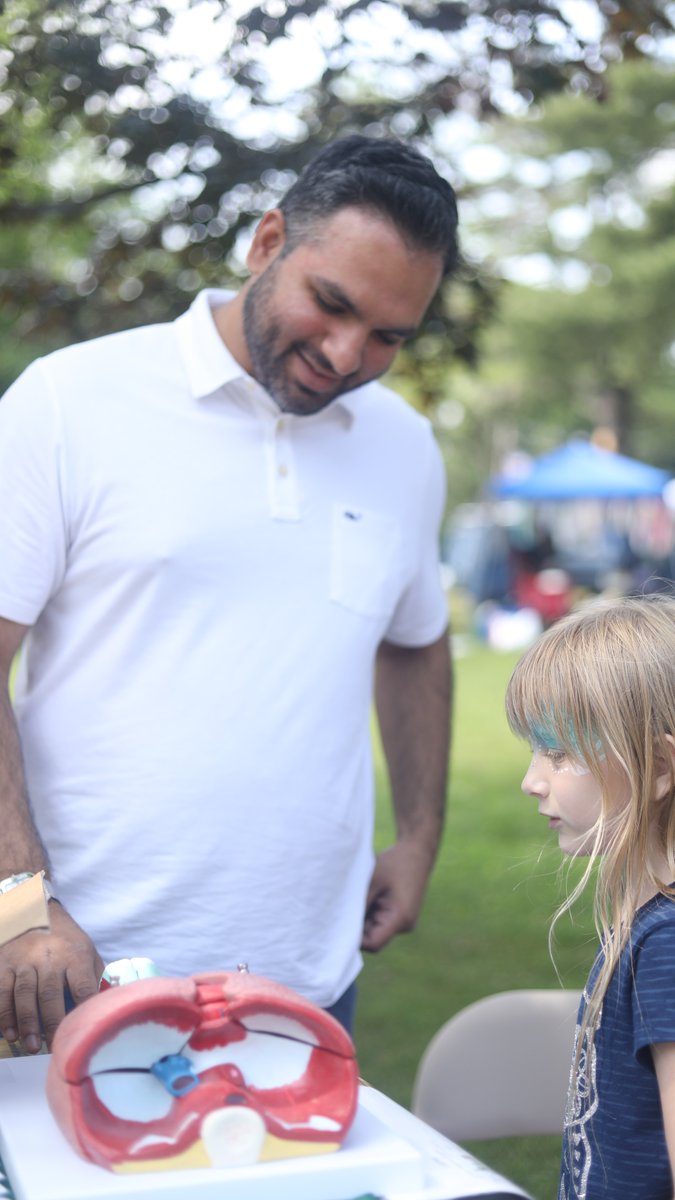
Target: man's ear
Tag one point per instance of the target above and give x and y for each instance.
(268, 241)
(665, 767)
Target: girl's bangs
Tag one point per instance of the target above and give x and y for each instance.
(541, 704)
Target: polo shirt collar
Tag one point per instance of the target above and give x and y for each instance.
(210, 365)
(207, 360)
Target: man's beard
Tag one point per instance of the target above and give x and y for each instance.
(269, 363)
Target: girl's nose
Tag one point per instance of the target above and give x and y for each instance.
(534, 783)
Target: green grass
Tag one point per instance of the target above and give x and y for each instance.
(484, 924)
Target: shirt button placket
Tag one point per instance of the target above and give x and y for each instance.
(285, 491)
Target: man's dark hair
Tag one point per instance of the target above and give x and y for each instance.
(385, 176)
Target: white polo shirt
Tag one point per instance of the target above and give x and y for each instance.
(207, 580)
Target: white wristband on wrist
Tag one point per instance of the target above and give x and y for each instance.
(12, 881)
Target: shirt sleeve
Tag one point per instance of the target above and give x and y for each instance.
(33, 541)
(654, 990)
(421, 614)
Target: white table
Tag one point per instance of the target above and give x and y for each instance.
(388, 1152)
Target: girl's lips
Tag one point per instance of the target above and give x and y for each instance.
(553, 822)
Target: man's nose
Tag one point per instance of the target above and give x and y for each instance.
(344, 348)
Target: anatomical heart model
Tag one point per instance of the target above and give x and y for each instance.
(220, 1069)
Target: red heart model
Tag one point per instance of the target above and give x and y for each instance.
(223, 1068)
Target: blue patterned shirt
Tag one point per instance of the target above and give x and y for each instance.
(617, 1149)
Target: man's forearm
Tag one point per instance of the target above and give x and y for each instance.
(413, 694)
(20, 846)
(34, 966)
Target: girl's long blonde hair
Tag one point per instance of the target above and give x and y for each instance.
(601, 684)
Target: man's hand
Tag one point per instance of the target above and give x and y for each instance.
(35, 968)
(395, 895)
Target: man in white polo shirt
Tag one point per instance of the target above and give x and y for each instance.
(216, 535)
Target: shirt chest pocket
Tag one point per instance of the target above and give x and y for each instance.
(365, 561)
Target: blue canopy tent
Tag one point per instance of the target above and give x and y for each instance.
(588, 501)
(581, 471)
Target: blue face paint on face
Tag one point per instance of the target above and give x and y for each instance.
(544, 737)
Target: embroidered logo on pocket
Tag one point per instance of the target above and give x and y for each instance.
(365, 561)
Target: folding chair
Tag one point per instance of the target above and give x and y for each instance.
(499, 1067)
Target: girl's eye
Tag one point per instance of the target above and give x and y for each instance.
(555, 756)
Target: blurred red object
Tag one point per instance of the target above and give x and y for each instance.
(548, 592)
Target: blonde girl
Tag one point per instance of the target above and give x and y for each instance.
(595, 699)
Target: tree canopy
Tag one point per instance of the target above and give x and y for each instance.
(133, 161)
(592, 343)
